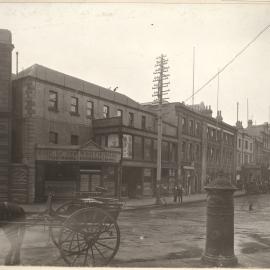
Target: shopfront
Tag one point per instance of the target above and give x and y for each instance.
(70, 169)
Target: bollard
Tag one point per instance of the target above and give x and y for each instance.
(219, 248)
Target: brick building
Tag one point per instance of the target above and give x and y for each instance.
(73, 135)
(206, 145)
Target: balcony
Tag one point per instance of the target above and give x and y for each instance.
(107, 122)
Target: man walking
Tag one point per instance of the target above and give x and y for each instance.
(180, 194)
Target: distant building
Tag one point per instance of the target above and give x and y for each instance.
(206, 145)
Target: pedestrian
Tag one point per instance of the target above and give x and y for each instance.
(180, 194)
(175, 192)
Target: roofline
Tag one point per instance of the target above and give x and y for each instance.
(139, 108)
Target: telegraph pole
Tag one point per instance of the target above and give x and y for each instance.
(160, 90)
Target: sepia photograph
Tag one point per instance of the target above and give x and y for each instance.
(135, 134)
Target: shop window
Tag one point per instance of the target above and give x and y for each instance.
(74, 106)
(131, 119)
(74, 139)
(147, 149)
(53, 101)
(53, 137)
(113, 141)
(143, 122)
(90, 109)
(106, 111)
(138, 148)
(127, 146)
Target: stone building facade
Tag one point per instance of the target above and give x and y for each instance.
(74, 135)
(206, 145)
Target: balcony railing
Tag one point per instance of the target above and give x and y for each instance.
(107, 122)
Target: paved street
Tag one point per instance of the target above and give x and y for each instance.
(168, 237)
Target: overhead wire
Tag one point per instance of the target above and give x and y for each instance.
(230, 62)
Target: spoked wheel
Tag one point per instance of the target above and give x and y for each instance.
(89, 237)
(63, 211)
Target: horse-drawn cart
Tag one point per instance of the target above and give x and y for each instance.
(84, 230)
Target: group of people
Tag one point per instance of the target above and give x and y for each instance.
(178, 193)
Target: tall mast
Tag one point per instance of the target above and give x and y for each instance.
(160, 90)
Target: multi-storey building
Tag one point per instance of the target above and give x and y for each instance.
(5, 112)
(206, 145)
(259, 171)
(245, 147)
(74, 135)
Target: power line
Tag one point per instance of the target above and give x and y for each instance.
(230, 62)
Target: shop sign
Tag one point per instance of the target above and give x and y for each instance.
(77, 155)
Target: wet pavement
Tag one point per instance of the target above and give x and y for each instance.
(172, 236)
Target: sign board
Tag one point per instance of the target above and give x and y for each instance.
(77, 155)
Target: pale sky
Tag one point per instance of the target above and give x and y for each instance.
(117, 45)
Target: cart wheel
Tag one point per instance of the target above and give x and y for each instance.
(63, 210)
(89, 237)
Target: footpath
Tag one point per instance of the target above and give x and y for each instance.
(135, 204)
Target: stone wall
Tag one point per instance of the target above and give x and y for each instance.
(19, 175)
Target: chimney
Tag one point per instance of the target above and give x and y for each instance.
(249, 123)
(219, 116)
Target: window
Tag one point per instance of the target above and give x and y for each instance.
(113, 141)
(53, 137)
(246, 144)
(90, 109)
(53, 100)
(147, 149)
(131, 119)
(74, 139)
(250, 147)
(143, 122)
(184, 125)
(138, 148)
(106, 111)
(239, 143)
(172, 152)
(165, 151)
(127, 146)
(119, 113)
(197, 129)
(184, 150)
(74, 106)
(191, 127)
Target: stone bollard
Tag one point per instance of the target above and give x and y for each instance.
(219, 248)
